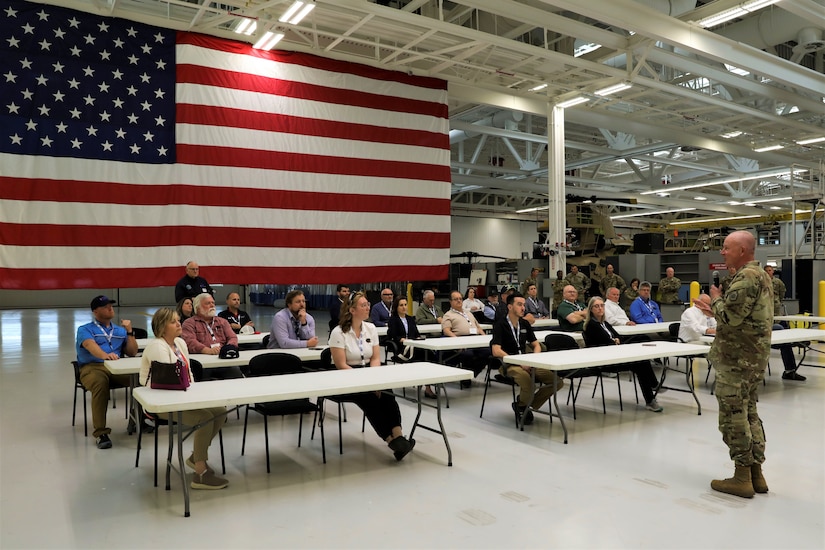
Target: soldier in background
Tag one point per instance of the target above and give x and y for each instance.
(579, 281)
(669, 288)
(779, 290)
(740, 354)
(533, 279)
(611, 280)
(558, 288)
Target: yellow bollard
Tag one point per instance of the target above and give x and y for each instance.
(695, 289)
(822, 303)
(409, 299)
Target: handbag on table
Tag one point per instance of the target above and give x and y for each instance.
(169, 376)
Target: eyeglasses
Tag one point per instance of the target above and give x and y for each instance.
(386, 294)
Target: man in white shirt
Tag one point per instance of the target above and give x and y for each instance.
(613, 312)
(695, 323)
(458, 322)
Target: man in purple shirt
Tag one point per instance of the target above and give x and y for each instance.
(293, 327)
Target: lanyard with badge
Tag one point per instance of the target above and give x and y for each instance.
(473, 329)
(108, 335)
(215, 343)
(514, 330)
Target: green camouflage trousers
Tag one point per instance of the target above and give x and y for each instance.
(739, 422)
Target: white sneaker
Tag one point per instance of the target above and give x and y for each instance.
(654, 406)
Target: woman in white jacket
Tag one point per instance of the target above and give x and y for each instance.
(169, 347)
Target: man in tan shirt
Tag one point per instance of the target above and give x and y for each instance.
(457, 322)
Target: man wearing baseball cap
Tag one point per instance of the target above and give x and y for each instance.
(96, 342)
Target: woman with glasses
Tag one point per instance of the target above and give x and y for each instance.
(354, 345)
(598, 332)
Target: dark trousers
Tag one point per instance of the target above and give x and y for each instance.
(380, 409)
(644, 375)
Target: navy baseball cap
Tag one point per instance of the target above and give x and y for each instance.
(101, 301)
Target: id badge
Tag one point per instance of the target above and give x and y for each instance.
(473, 330)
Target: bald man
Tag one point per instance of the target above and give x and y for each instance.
(740, 353)
(696, 322)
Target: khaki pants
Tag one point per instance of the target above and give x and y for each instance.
(204, 435)
(524, 381)
(98, 380)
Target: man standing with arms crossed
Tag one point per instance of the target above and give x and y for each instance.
(740, 354)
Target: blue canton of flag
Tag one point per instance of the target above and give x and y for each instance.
(80, 86)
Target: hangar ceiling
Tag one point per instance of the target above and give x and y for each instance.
(710, 126)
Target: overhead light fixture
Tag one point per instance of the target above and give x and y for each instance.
(709, 220)
(763, 175)
(296, 12)
(246, 26)
(534, 209)
(651, 213)
(700, 198)
(768, 148)
(571, 102)
(811, 140)
(735, 133)
(760, 201)
(585, 49)
(539, 87)
(268, 41)
(621, 86)
(738, 11)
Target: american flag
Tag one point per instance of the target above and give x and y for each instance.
(127, 150)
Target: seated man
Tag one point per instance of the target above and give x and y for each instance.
(613, 312)
(207, 333)
(293, 327)
(335, 309)
(643, 310)
(237, 317)
(571, 313)
(695, 323)
(493, 309)
(96, 342)
(511, 335)
(535, 307)
(457, 322)
(380, 313)
(428, 313)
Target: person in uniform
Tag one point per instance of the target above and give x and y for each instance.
(580, 281)
(669, 288)
(630, 294)
(533, 279)
(725, 282)
(611, 280)
(558, 291)
(740, 353)
(779, 290)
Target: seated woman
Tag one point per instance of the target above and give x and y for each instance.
(471, 303)
(630, 294)
(185, 309)
(400, 328)
(598, 332)
(354, 344)
(169, 347)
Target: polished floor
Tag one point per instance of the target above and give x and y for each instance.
(628, 479)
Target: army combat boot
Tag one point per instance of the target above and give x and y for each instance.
(739, 485)
(758, 480)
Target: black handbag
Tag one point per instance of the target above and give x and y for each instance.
(168, 376)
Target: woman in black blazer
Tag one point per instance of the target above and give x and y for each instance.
(402, 327)
(598, 332)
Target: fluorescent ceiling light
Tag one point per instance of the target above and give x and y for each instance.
(246, 26)
(708, 220)
(738, 11)
(571, 102)
(268, 41)
(587, 48)
(534, 209)
(621, 86)
(735, 133)
(651, 213)
(769, 148)
(539, 87)
(765, 175)
(811, 140)
(760, 201)
(700, 198)
(296, 12)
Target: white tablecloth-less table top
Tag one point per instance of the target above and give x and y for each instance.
(131, 365)
(423, 329)
(788, 336)
(452, 343)
(647, 328)
(542, 334)
(242, 339)
(800, 318)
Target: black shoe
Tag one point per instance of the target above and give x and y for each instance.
(519, 410)
(793, 375)
(103, 442)
(401, 446)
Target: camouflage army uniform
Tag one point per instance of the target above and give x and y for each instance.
(526, 284)
(669, 290)
(778, 293)
(627, 298)
(580, 281)
(740, 354)
(558, 287)
(725, 282)
(609, 281)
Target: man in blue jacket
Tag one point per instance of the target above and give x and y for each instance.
(643, 310)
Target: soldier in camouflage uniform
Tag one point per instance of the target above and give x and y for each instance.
(578, 280)
(558, 287)
(611, 280)
(533, 279)
(740, 354)
(669, 288)
(779, 290)
(726, 280)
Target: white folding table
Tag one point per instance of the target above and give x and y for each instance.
(599, 357)
(244, 391)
